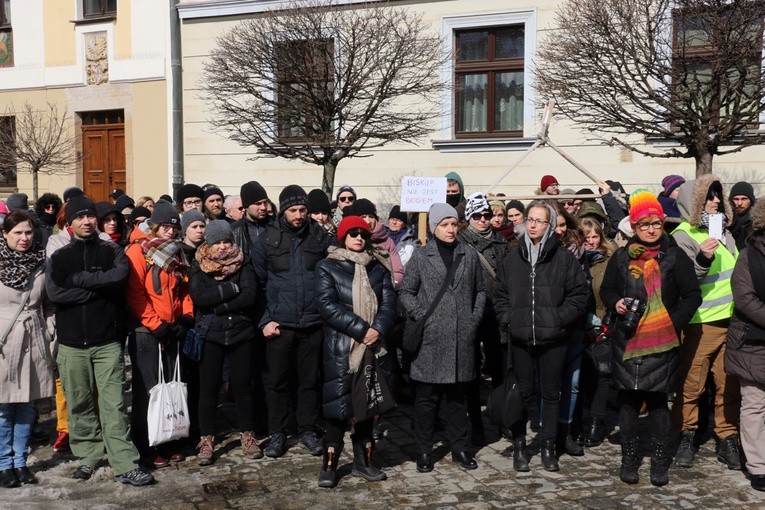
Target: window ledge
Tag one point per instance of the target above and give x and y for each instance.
(95, 19)
(483, 144)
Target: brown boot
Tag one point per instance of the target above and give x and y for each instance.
(250, 446)
(206, 449)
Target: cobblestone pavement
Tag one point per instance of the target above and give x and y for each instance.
(290, 481)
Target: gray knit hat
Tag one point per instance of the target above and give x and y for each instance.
(439, 212)
(164, 212)
(218, 230)
(17, 201)
(190, 217)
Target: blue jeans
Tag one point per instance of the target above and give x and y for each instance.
(570, 383)
(16, 422)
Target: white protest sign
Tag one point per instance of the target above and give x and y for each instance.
(418, 193)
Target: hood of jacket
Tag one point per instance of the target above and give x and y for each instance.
(547, 247)
(693, 196)
(456, 177)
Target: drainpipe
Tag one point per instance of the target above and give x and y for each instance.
(176, 72)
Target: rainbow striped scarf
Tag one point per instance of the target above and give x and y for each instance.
(655, 332)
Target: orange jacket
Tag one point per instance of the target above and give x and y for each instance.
(144, 303)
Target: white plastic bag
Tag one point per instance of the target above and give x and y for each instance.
(168, 415)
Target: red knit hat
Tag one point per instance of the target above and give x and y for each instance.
(547, 181)
(349, 223)
(643, 203)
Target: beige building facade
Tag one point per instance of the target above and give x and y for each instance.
(104, 62)
(477, 136)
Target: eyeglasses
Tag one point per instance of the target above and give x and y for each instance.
(241, 208)
(347, 198)
(192, 202)
(656, 225)
(556, 185)
(169, 226)
(481, 216)
(534, 221)
(360, 232)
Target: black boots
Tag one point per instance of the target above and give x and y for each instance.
(549, 459)
(660, 461)
(596, 433)
(362, 461)
(566, 443)
(630, 462)
(8, 479)
(520, 455)
(328, 475)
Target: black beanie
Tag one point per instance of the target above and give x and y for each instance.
(742, 188)
(396, 213)
(71, 192)
(214, 190)
(139, 212)
(318, 202)
(251, 193)
(188, 191)
(515, 204)
(103, 209)
(360, 207)
(290, 196)
(78, 206)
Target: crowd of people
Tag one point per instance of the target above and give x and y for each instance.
(582, 295)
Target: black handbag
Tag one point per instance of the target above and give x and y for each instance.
(414, 330)
(505, 404)
(195, 339)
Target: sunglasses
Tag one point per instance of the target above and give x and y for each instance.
(360, 232)
(345, 199)
(567, 203)
(479, 216)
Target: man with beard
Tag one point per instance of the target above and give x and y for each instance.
(212, 201)
(742, 199)
(285, 259)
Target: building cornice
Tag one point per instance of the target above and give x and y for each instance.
(191, 9)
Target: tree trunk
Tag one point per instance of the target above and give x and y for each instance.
(35, 172)
(328, 179)
(703, 163)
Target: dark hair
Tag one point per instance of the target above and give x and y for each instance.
(15, 217)
(574, 235)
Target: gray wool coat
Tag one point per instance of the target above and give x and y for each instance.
(28, 350)
(447, 354)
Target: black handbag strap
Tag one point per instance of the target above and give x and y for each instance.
(447, 281)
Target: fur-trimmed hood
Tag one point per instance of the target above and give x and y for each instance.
(693, 195)
(757, 215)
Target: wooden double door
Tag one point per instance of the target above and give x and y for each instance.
(103, 149)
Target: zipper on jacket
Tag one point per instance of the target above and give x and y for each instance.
(638, 362)
(82, 307)
(533, 308)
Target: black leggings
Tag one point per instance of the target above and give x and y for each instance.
(210, 372)
(336, 431)
(629, 413)
(548, 361)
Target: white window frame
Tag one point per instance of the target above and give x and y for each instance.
(447, 141)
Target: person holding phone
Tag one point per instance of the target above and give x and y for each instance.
(702, 348)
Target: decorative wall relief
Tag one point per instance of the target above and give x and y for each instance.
(96, 59)
(6, 48)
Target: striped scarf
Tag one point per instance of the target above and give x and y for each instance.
(166, 254)
(655, 332)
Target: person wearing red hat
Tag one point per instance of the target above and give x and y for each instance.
(650, 285)
(548, 186)
(357, 304)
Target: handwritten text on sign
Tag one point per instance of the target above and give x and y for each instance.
(418, 193)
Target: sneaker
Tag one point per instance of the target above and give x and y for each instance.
(312, 443)
(686, 452)
(728, 452)
(137, 477)
(206, 450)
(276, 445)
(250, 446)
(83, 473)
(62, 442)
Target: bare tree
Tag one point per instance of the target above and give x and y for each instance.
(40, 140)
(663, 78)
(319, 82)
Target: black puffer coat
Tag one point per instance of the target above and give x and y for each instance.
(334, 282)
(540, 305)
(681, 296)
(232, 311)
(745, 345)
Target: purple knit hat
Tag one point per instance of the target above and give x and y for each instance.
(671, 182)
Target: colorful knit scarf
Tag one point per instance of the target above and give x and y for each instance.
(220, 264)
(655, 332)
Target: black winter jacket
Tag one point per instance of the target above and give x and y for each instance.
(284, 261)
(334, 282)
(681, 296)
(232, 311)
(86, 279)
(540, 306)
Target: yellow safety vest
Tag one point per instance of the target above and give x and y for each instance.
(716, 293)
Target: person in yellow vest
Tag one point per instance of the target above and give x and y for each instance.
(702, 348)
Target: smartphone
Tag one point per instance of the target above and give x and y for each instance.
(716, 226)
